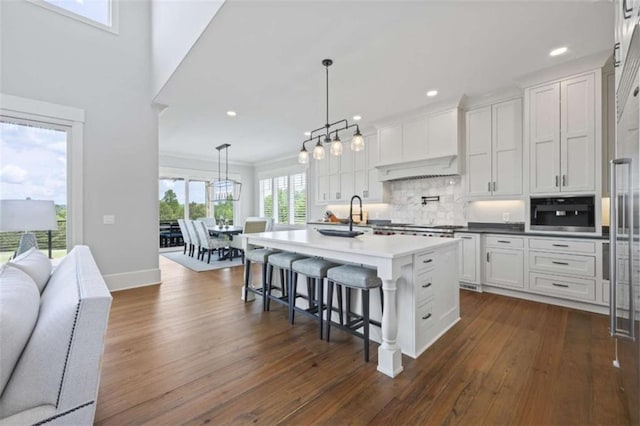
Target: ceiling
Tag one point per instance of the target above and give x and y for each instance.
(263, 60)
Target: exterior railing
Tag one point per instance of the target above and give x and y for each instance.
(9, 240)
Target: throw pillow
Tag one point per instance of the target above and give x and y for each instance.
(20, 301)
(36, 264)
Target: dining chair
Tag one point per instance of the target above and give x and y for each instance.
(251, 226)
(186, 237)
(208, 243)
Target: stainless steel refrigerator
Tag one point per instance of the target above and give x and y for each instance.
(624, 231)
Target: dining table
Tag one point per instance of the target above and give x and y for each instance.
(224, 231)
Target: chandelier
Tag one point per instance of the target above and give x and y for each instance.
(357, 142)
(225, 189)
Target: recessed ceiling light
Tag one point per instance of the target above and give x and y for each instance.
(307, 133)
(558, 51)
(432, 93)
(357, 117)
(231, 113)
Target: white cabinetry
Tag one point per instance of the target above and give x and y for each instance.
(504, 261)
(469, 261)
(494, 149)
(418, 138)
(562, 135)
(430, 304)
(353, 173)
(626, 17)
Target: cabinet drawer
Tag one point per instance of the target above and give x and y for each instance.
(425, 261)
(562, 263)
(569, 288)
(505, 241)
(562, 245)
(424, 286)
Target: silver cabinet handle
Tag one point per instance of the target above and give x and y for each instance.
(613, 265)
(557, 180)
(427, 261)
(560, 245)
(494, 186)
(426, 285)
(559, 285)
(559, 263)
(467, 238)
(504, 241)
(488, 257)
(426, 316)
(564, 180)
(488, 186)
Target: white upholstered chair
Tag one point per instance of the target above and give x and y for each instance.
(208, 243)
(251, 226)
(186, 237)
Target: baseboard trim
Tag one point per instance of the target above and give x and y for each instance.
(127, 280)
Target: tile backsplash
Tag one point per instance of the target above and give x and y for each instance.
(406, 201)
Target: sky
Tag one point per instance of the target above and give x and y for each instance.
(96, 10)
(33, 163)
(196, 190)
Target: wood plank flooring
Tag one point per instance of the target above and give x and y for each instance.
(191, 352)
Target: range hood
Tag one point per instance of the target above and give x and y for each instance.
(430, 167)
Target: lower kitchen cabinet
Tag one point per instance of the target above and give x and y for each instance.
(504, 267)
(469, 261)
(565, 271)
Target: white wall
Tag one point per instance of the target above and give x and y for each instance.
(49, 57)
(196, 168)
(175, 27)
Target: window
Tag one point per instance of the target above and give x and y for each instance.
(99, 13)
(284, 198)
(198, 199)
(34, 165)
(171, 199)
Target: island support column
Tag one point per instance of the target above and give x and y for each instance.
(389, 353)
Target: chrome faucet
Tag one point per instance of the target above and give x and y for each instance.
(351, 211)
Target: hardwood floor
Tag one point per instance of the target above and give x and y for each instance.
(190, 351)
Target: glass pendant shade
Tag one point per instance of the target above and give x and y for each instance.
(303, 156)
(357, 142)
(336, 146)
(318, 151)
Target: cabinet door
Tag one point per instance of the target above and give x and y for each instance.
(478, 136)
(346, 186)
(442, 134)
(322, 189)
(334, 188)
(333, 161)
(507, 148)
(544, 138)
(469, 258)
(504, 267)
(414, 139)
(577, 134)
(374, 186)
(390, 139)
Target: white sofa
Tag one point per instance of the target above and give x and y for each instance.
(54, 378)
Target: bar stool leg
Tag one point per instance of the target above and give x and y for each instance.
(319, 304)
(247, 276)
(329, 306)
(365, 312)
(340, 309)
(293, 289)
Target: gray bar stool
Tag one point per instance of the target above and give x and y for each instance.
(257, 256)
(283, 261)
(315, 270)
(359, 278)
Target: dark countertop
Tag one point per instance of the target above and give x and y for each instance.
(518, 229)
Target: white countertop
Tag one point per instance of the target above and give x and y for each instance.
(388, 246)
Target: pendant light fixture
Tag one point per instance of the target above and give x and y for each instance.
(225, 189)
(336, 148)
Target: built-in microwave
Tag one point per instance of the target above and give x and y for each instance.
(568, 214)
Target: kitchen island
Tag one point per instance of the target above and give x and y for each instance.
(419, 281)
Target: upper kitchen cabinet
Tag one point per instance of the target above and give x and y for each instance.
(494, 149)
(627, 14)
(367, 184)
(427, 136)
(563, 131)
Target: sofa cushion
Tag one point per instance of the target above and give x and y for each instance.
(36, 264)
(20, 301)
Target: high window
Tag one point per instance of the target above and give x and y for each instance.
(33, 165)
(284, 198)
(99, 13)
